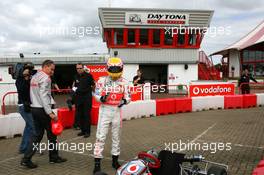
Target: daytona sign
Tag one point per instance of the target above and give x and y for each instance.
(137, 18)
(211, 89)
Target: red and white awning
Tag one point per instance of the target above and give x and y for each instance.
(254, 37)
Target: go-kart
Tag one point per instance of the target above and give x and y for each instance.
(168, 163)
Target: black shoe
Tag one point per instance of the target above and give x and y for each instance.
(97, 165)
(28, 163)
(58, 160)
(115, 163)
(80, 134)
(86, 135)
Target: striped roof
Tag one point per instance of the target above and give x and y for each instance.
(256, 36)
(116, 17)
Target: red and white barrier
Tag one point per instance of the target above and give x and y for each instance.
(4, 126)
(66, 117)
(260, 99)
(139, 109)
(146, 108)
(17, 124)
(207, 103)
(199, 104)
(183, 105)
(129, 111)
(12, 98)
(233, 101)
(216, 102)
(165, 106)
(11, 125)
(249, 100)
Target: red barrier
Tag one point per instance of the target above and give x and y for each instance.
(259, 170)
(136, 96)
(3, 101)
(183, 105)
(136, 93)
(233, 101)
(165, 106)
(94, 114)
(249, 100)
(66, 117)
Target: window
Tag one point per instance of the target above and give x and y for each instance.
(108, 37)
(118, 37)
(143, 38)
(258, 55)
(131, 37)
(168, 39)
(252, 56)
(181, 37)
(156, 36)
(245, 55)
(192, 39)
(260, 69)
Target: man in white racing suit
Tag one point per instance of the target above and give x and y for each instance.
(113, 92)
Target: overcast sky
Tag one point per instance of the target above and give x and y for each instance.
(48, 26)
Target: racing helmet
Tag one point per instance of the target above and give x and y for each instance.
(115, 67)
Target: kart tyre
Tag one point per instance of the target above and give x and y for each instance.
(216, 170)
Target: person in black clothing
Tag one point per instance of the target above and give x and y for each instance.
(245, 78)
(23, 87)
(83, 100)
(138, 79)
(72, 99)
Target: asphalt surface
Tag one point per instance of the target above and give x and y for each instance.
(238, 134)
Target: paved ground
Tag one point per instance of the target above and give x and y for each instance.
(242, 129)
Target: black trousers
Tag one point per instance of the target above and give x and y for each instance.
(42, 122)
(245, 89)
(76, 120)
(83, 115)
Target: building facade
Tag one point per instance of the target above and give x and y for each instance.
(163, 43)
(248, 52)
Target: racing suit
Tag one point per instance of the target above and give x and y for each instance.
(109, 112)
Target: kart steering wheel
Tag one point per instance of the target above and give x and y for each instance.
(153, 162)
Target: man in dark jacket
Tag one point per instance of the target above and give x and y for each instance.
(83, 103)
(75, 85)
(23, 88)
(138, 79)
(244, 80)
